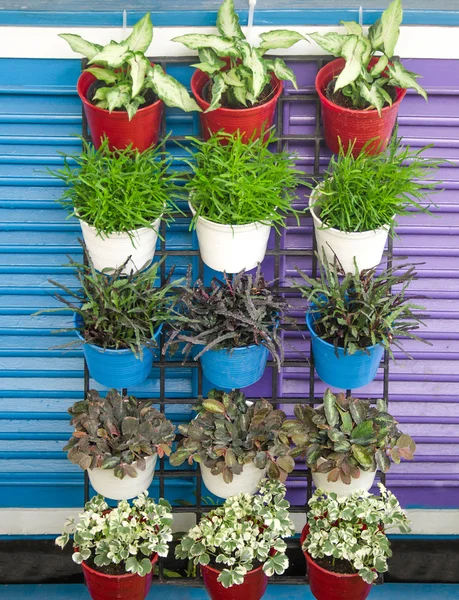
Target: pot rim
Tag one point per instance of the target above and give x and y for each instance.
(401, 93)
(214, 570)
(123, 113)
(225, 226)
(121, 234)
(153, 560)
(232, 111)
(352, 234)
(314, 334)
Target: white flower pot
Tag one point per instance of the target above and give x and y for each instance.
(231, 248)
(367, 246)
(104, 481)
(364, 482)
(246, 482)
(111, 251)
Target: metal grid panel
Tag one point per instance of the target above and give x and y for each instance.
(277, 253)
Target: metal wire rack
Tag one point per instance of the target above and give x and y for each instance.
(161, 474)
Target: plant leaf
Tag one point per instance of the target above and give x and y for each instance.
(362, 455)
(283, 72)
(278, 38)
(139, 65)
(372, 95)
(171, 92)
(352, 27)
(353, 51)
(142, 33)
(78, 44)
(330, 42)
(198, 41)
(405, 79)
(391, 20)
(218, 87)
(113, 54)
(103, 74)
(117, 97)
(331, 412)
(228, 21)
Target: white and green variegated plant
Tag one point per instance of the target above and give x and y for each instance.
(127, 72)
(125, 535)
(248, 72)
(367, 86)
(354, 529)
(244, 530)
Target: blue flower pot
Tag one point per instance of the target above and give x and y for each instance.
(345, 371)
(235, 368)
(117, 368)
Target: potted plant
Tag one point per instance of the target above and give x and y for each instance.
(237, 192)
(123, 93)
(240, 544)
(118, 547)
(360, 92)
(231, 326)
(345, 439)
(356, 205)
(345, 542)
(118, 320)
(235, 443)
(234, 84)
(120, 199)
(117, 440)
(353, 319)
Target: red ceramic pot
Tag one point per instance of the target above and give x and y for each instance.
(351, 125)
(119, 587)
(142, 131)
(253, 588)
(246, 120)
(326, 585)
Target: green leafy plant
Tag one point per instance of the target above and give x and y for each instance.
(366, 192)
(236, 183)
(128, 74)
(118, 191)
(125, 536)
(365, 83)
(345, 435)
(239, 311)
(245, 529)
(227, 434)
(118, 312)
(116, 431)
(352, 530)
(243, 80)
(359, 310)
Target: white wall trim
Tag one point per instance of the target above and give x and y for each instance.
(43, 42)
(50, 521)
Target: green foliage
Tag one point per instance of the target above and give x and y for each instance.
(362, 309)
(354, 529)
(367, 85)
(127, 72)
(227, 434)
(236, 183)
(239, 311)
(125, 535)
(243, 530)
(366, 192)
(116, 431)
(247, 73)
(118, 191)
(118, 312)
(345, 435)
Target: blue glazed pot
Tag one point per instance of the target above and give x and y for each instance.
(234, 368)
(344, 371)
(117, 368)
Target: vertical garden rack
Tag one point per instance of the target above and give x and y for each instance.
(277, 253)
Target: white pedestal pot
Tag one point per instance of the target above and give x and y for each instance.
(366, 246)
(231, 248)
(246, 482)
(364, 482)
(112, 250)
(104, 481)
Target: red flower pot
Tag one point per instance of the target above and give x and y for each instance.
(142, 131)
(119, 587)
(354, 125)
(247, 120)
(326, 585)
(253, 588)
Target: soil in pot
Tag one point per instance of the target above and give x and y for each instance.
(339, 565)
(341, 100)
(149, 95)
(265, 96)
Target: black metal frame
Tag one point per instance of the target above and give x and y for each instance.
(161, 474)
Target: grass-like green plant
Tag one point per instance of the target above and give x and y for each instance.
(362, 309)
(118, 312)
(366, 192)
(118, 191)
(237, 183)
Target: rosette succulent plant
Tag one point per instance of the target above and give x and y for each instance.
(227, 434)
(345, 435)
(116, 431)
